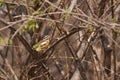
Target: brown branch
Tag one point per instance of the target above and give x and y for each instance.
(102, 5)
(10, 24)
(72, 5)
(8, 11)
(77, 61)
(60, 39)
(11, 70)
(20, 37)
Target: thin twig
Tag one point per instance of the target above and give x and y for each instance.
(11, 70)
(72, 5)
(11, 24)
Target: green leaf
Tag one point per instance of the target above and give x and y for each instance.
(50, 9)
(26, 27)
(42, 13)
(23, 0)
(36, 25)
(1, 40)
(37, 47)
(31, 25)
(91, 28)
(113, 20)
(10, 42)
(52, 23)
(31, 21)
(90, 21)
(20, 32)
(117, 31)
(1, 3)
(36, 2)
(62, 19)
(36, 13)
(67, 13)
(83, 24)
(33, 28)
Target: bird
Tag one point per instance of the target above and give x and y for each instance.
(42, 44)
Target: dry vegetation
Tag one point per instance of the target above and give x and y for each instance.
(59, 39)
